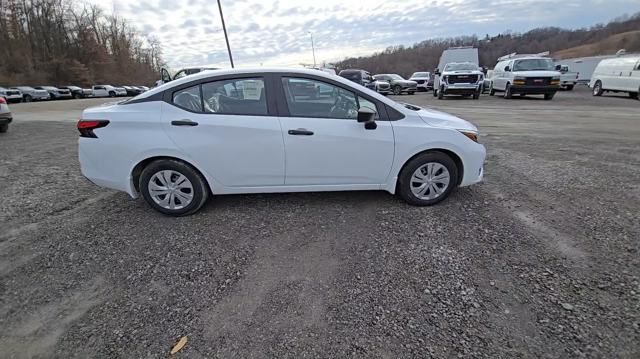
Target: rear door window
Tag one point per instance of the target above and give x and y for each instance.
(244, 96)
(188, 99)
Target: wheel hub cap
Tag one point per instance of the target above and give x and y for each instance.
(170, 189)
(430, 181)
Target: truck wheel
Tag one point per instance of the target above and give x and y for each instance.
(549, 96)
(476, 95)
(569, 87)
(440, 93)
(597, 89)
(507, 92)
(633, 95)
(4, 128)
(27, 98)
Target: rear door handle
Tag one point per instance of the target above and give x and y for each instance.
(301, 132)
(184, 123)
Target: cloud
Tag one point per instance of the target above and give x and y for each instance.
(276, 32)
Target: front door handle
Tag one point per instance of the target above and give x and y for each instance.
(301, 132)
(184, 123)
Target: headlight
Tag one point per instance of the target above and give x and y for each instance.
(519, 78)
(473, 136)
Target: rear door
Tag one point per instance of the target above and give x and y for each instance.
(230, 129)
(324, 143)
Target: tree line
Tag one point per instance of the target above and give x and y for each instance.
(58, 42)
(424, 56)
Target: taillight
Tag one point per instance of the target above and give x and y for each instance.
(86, 127)
(2, 100)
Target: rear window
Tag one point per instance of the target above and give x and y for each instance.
(351, 75)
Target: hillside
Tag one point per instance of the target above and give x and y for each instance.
(598, 39)
(608, 46)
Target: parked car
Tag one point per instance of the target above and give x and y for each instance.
(358, 76)
(458, 78)
(30, 94)
(132, 90)
(525, 75)
(143, 88)
(381, 87)
(423, 79)
(178, 144)
(78, 92)
(108, 91)
(618, 74)
(10, 95)
(568, 79)
(56, 93)
(398, 84)
(5, 115)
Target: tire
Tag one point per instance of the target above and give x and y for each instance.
(569, 88)
(112, 94)
(633, 95)
(27, 98)
(523, 95)
(77, 96)
(549, 96)
(597, 89)
(199, 190)
(4, 128)
(397, 90)
(440, 94)
(491, 90)
(507, 92)
(476, 95)
(408, 185)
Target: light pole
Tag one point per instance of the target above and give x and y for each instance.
(313, 49)
(224, 28)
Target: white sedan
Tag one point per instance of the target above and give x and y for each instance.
(273, 130)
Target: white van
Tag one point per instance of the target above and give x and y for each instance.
(619, 74)
(525, 75)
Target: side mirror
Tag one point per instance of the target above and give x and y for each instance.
(507, 69)
(367, 116)
(558, 67)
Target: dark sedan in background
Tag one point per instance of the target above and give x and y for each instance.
(77, 92)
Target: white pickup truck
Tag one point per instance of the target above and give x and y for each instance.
(568, 79)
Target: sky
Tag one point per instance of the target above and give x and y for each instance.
(278, 32)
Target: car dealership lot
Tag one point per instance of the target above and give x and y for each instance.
(541, 260)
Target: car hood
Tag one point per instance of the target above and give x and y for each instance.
(445, 120)
(536, 73)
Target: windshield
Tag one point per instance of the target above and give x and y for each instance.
(395, 77)
(420, 74)
(461, 67)
(533, 65)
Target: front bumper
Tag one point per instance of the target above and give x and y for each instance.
(473, 164)
(14, 98)
(461, 89)
(534, 90)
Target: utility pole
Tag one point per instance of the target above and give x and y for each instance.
(313, 49)
(226, 37)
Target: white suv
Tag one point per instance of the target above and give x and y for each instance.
(108, 91)
(458, 78)
(525, 75)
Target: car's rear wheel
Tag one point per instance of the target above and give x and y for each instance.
(427, 179)
(597, 89)
(4, 128)
(173, 187)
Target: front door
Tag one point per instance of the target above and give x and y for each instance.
(225, 126)
(324, 143)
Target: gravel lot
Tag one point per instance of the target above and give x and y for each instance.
(542, 260)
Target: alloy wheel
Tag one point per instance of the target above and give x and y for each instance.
(170, 189)
(430, 181)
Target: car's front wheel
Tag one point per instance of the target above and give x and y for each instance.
(397, 90)
(427, 179)
(597, 89)
(173, 187)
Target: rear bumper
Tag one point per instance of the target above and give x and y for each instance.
(5, 118)
(534, 90)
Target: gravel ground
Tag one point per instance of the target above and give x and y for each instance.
(540, 261)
